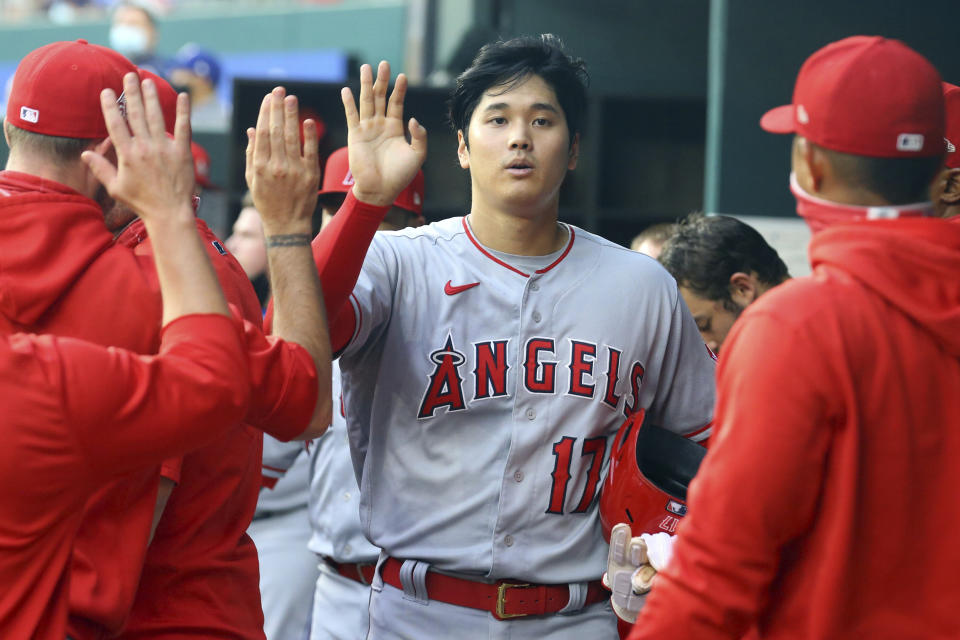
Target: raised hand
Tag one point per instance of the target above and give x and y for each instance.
(381, 160)
(283, 175)
(154, 173)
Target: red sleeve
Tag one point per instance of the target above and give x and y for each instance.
(170, 469)
(140, 410)
(283, 382)
(339, 251)
(756, 490)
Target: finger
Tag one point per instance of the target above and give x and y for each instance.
(181, 126)
(291, 128)
(395, 105)
(116, 125)
(276, 125)
(101, 168)
(638, 552)
(380, 88)
(151, 109)
(619, 537)
(418, 139)
(134, 104)
(310, 152)
(366, 92)
(349, 108)
(642, 580)
(261, 150)
(251, 132)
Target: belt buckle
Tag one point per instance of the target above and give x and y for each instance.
(501, 596)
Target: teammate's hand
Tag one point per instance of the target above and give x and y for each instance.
(283, 175)
(154, 173)
(632, 566)
(381, 160)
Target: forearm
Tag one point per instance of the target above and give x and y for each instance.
(298, 312)
(188, 283)
(339, 251)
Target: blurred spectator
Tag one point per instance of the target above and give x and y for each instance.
(197, 71)
(721, 266)
(650, 241)
(247, 245)
(133, 33)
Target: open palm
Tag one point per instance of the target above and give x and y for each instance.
(382, 162)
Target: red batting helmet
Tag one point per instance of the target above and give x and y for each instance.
(646, 485)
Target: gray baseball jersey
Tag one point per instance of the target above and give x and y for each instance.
(484, 392)
(339, 604)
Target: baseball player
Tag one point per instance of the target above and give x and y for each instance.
(66, 431)
(488, 360)
(200, 575)
(722, 265)
(341, 591)
(826, 507)
(54, 236)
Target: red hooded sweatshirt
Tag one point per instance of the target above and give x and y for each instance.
(826, 507)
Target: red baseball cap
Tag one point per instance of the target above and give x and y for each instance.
(337, 178)
(201, 166)
(56, 89)
(951, 102)
(167, 96)
(867, 96)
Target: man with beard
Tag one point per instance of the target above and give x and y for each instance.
(721, 265)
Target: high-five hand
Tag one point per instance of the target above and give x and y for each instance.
(154, 173)
(382, 161)
(282, 174)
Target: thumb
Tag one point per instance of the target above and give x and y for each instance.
(418, 139)
(100, 167)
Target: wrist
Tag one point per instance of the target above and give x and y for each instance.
(174, 220)
(372, 199)
(280, 240)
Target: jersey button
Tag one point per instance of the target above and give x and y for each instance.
(518, 476)
(534, 286)
(508, 540)
(536, 316)
(531, 414)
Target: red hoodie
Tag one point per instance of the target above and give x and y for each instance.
(65, 432)
(827, 507)
(201, 576)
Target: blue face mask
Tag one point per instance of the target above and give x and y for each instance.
(128, 40)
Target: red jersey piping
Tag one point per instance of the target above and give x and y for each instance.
(466, 228)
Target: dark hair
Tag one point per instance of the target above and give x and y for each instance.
(55, 148)
(706, 250)
(507, 63)
(896, 180)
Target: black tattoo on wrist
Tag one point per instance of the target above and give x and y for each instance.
(288, 240)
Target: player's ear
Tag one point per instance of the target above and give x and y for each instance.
(574, 154)
(951, 187)
(463, 151)
(743, 288)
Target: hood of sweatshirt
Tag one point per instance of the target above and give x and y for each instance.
(49, 235)
(914, 264)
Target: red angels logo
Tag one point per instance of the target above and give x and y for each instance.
(348, 179)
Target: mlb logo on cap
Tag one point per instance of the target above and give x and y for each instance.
(29, 115)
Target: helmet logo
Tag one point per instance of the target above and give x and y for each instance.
(677, 507)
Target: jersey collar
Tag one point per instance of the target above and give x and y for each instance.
(570, 238)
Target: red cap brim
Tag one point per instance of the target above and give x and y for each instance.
(779, 120)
